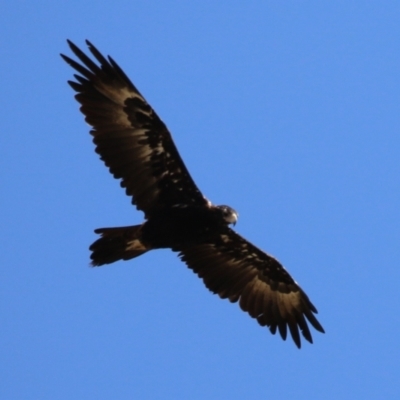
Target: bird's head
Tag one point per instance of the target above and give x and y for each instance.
(229, 215)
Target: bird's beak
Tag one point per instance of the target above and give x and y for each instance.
(236, 218)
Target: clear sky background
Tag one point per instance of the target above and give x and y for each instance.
(287, 111)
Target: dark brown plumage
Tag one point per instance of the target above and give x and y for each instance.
(137, 148)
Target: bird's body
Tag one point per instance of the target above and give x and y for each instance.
(183, 225)
(137, 148)
(175, 227)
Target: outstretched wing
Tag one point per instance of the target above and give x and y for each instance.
(129, 136)
(235, 269)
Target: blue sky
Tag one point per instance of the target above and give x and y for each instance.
(288, 112)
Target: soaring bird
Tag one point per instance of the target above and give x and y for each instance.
(138, 149)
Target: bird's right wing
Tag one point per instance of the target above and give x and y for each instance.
(129, 136)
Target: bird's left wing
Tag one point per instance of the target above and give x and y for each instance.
(235, 269)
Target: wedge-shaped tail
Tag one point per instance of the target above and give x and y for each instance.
(115, 244)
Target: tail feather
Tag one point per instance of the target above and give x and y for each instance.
(116, 244)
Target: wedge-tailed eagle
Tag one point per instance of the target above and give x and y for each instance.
(138, 149)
